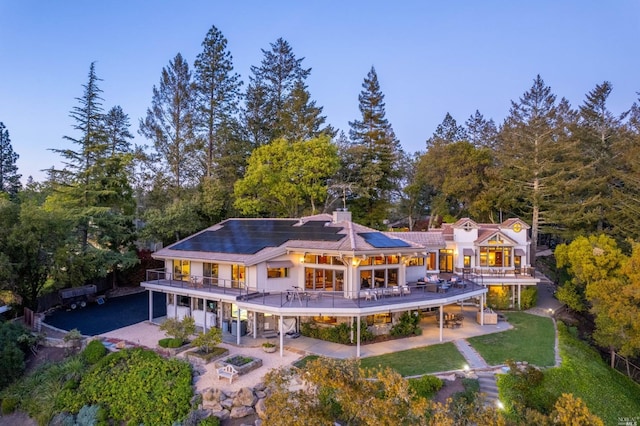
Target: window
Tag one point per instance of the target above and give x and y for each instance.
(181, 269)
(492, 256)
(277, 272)
(393, 260)
(416, 261)
(237, 275)
(431, 261)
(210, 273)
(467, 261)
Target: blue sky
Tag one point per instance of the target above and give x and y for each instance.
(431, 57)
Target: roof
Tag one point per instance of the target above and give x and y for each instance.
(429, 239)
(251, 241)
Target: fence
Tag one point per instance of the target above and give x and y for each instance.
(623, 365)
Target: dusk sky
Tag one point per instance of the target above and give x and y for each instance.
(431, 57)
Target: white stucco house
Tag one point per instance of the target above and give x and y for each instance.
(260, 276)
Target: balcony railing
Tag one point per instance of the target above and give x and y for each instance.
(297, 297)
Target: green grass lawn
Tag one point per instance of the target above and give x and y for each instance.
(531, 339)
(607, 393)
(414, 362)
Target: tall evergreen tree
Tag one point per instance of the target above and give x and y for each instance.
(169, 124)
(93, 190)
(9, 177)
(527, 151)
(598, 131)
(375, 152)
(277, 100)
(217, 94)
(480, 131)
(447, 132)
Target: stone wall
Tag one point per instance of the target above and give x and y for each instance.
(246, 402)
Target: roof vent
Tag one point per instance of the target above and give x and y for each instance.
(341, 215)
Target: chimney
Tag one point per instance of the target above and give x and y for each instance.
(341, 215)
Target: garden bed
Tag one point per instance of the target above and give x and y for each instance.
(242, 363)
(197, 357)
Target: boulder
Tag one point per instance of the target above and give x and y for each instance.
(242, 411)
(227, 403)
(260, 408)
(246, 397)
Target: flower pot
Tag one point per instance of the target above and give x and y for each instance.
(269, 349)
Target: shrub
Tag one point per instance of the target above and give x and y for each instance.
(138, 386)
(11, 353)
(179, 329)
(9, 405)
(528, 297)
(94, 351)
(426, 386)
(340, 333)
(207, 341)
(210, 421)
(170, 342)
(407, 325)
(74, 338)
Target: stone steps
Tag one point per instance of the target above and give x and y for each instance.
(489, 388)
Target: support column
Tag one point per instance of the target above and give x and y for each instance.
(204, 321)
(281, 322)
(150, 305)
(441, 320)
(519, 294)
(358, 337)
(482, 303)
(255, 325)
(238, 329)
(175, 306)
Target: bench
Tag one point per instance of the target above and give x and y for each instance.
(227, 372)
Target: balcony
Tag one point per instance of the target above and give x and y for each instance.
(296, 299)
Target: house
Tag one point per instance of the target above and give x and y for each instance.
(260, 276)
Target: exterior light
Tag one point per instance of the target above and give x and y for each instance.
(301, 259)
(466, 368)
(500, 405)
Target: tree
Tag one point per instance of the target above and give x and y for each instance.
(339, 390)
(480, 131)
(598, 132)
(277, 101)
(527, 151)
(456, 172)
(94, 192)
(287, 179)
(570, 410)
(447, 132)
(375, 153)
(9, 177)
(216, 93)
(169, 124)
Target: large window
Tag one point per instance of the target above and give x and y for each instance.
(181, 269)
(210, 273)
(446, 260)
(377, 278)
(322, 259)
(499, 257)
(323, 279)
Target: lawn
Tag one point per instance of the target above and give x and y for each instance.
(415, 362)
(531, 339)
(607, 393)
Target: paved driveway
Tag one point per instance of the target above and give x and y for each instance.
(115, 313)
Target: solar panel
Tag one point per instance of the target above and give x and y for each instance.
(250, 236)
(380, 240)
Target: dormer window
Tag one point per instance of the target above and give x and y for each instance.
(468, 226)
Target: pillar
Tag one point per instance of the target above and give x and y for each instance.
(358, 337)
(281, 322)
(150, 305)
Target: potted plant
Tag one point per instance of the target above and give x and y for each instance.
(268, 347)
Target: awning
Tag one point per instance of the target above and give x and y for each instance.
(274, 264)
(468, 252)
(519, 252)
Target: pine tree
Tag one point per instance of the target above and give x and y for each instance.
(480, 131)
(93, 190)
(375, 152)
(527, 151)
(169, 124)
(447, 132)
(277, 101)
(217, 94)
(9, 177)
(598, 131)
